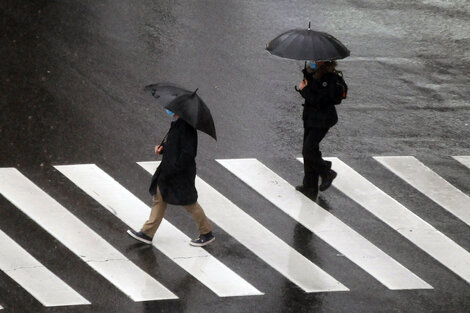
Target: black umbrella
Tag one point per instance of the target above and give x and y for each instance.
(166, 92)
(306, 44)
(186, 104)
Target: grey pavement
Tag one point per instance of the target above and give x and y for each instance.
(72, 75)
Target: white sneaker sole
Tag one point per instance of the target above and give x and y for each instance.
(138, 238)
(201, 244)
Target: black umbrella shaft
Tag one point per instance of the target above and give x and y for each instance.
(164, 138)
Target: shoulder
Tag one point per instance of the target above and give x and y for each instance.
(328, 78)
(187, 127)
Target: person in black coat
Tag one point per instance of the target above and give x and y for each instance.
(318, 88)
(174, 183)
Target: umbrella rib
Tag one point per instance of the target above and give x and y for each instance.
(295, 40)
(312, 47)
(284, 44)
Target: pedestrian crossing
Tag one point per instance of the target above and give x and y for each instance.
(429, 183)
(168, 239)
(260, 240)
(324, 224)
(35, 278)
(79, 238)
(398, 217)
(137, 285)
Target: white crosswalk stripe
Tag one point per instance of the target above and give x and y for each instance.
(30, 274)
(405, 222)
(465, 160)
(1, 308)
(325, 225)
(50, 290)
(171, 241)
(430, 184)
(260, 240)
(79, 238)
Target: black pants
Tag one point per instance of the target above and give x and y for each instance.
(314, 165)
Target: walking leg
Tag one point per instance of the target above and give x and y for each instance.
(199, 217)
(156, 215)
(203, 225)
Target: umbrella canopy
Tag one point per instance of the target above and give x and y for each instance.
(166, 92)
(186, 104)
(306, 44)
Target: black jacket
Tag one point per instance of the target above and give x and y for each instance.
(319, 106)
(176, 174)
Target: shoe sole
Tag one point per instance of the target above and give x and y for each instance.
(138, 238)
(331, 182)
(201, 244)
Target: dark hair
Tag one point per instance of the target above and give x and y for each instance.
(326, 67)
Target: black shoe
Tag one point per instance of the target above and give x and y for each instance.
(203, 240)
(327, 180)
(310, 192)
(140, 236)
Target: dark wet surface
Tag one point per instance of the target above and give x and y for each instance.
(72, 75)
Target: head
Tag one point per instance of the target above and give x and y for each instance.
(311, 66)
(326, 64)
(173, 115)
(325, 67)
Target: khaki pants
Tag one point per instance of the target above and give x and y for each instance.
(158, 210)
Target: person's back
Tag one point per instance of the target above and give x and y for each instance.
(174, 183)
(177, 171)
(319, 115)
(319, 107)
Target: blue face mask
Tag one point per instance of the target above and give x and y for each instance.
(312, 65)
(169, 113)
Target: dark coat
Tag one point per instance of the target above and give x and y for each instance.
(319, 106)
(176, 174)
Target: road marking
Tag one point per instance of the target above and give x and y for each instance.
(430, 184)
(465, 160)
(270, 248)
(34, 277)
(79, 238)
(387, 60)
(405, 222)
(1, 308)
(325, 225)
(170, 240)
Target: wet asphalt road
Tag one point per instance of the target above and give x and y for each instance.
(72, 75)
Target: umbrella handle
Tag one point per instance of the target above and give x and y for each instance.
(164, 138)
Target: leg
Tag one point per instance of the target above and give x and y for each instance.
(156, 215)
(310, 176)
(199, 217)
(203, 225)
(314, 165)
(321, 167)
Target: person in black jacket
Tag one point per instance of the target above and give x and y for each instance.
(174, 183)
(319, 89)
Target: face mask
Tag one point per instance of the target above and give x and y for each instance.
(169, 112)
(312, 65)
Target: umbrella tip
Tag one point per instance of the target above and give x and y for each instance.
(195, 91)
(309, 24)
